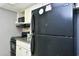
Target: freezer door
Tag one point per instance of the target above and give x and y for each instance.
(53, 46)
(57, 21)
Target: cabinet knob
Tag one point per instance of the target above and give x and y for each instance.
(20, 48)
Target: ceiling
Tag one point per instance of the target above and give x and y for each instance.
(16, 7)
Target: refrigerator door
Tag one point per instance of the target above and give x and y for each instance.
(57, 21)
(52, 30)
(76, 32)
(53, 46)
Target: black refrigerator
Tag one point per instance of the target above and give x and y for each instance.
(52, 28)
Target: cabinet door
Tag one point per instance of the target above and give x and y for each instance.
(23, 52)
(28, 15)
(21, 43)
(20, 51)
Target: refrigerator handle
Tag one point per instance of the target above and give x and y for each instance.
(33, 36)
(33, 45)
(33, 24)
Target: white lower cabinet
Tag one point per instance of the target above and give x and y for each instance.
(22, 49)
(18, 50)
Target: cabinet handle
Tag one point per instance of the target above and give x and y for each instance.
(20, 48)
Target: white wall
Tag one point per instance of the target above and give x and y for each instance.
(7, 30)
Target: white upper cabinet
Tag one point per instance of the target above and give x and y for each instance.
(28, 15)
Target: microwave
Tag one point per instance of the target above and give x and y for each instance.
(21, 19)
